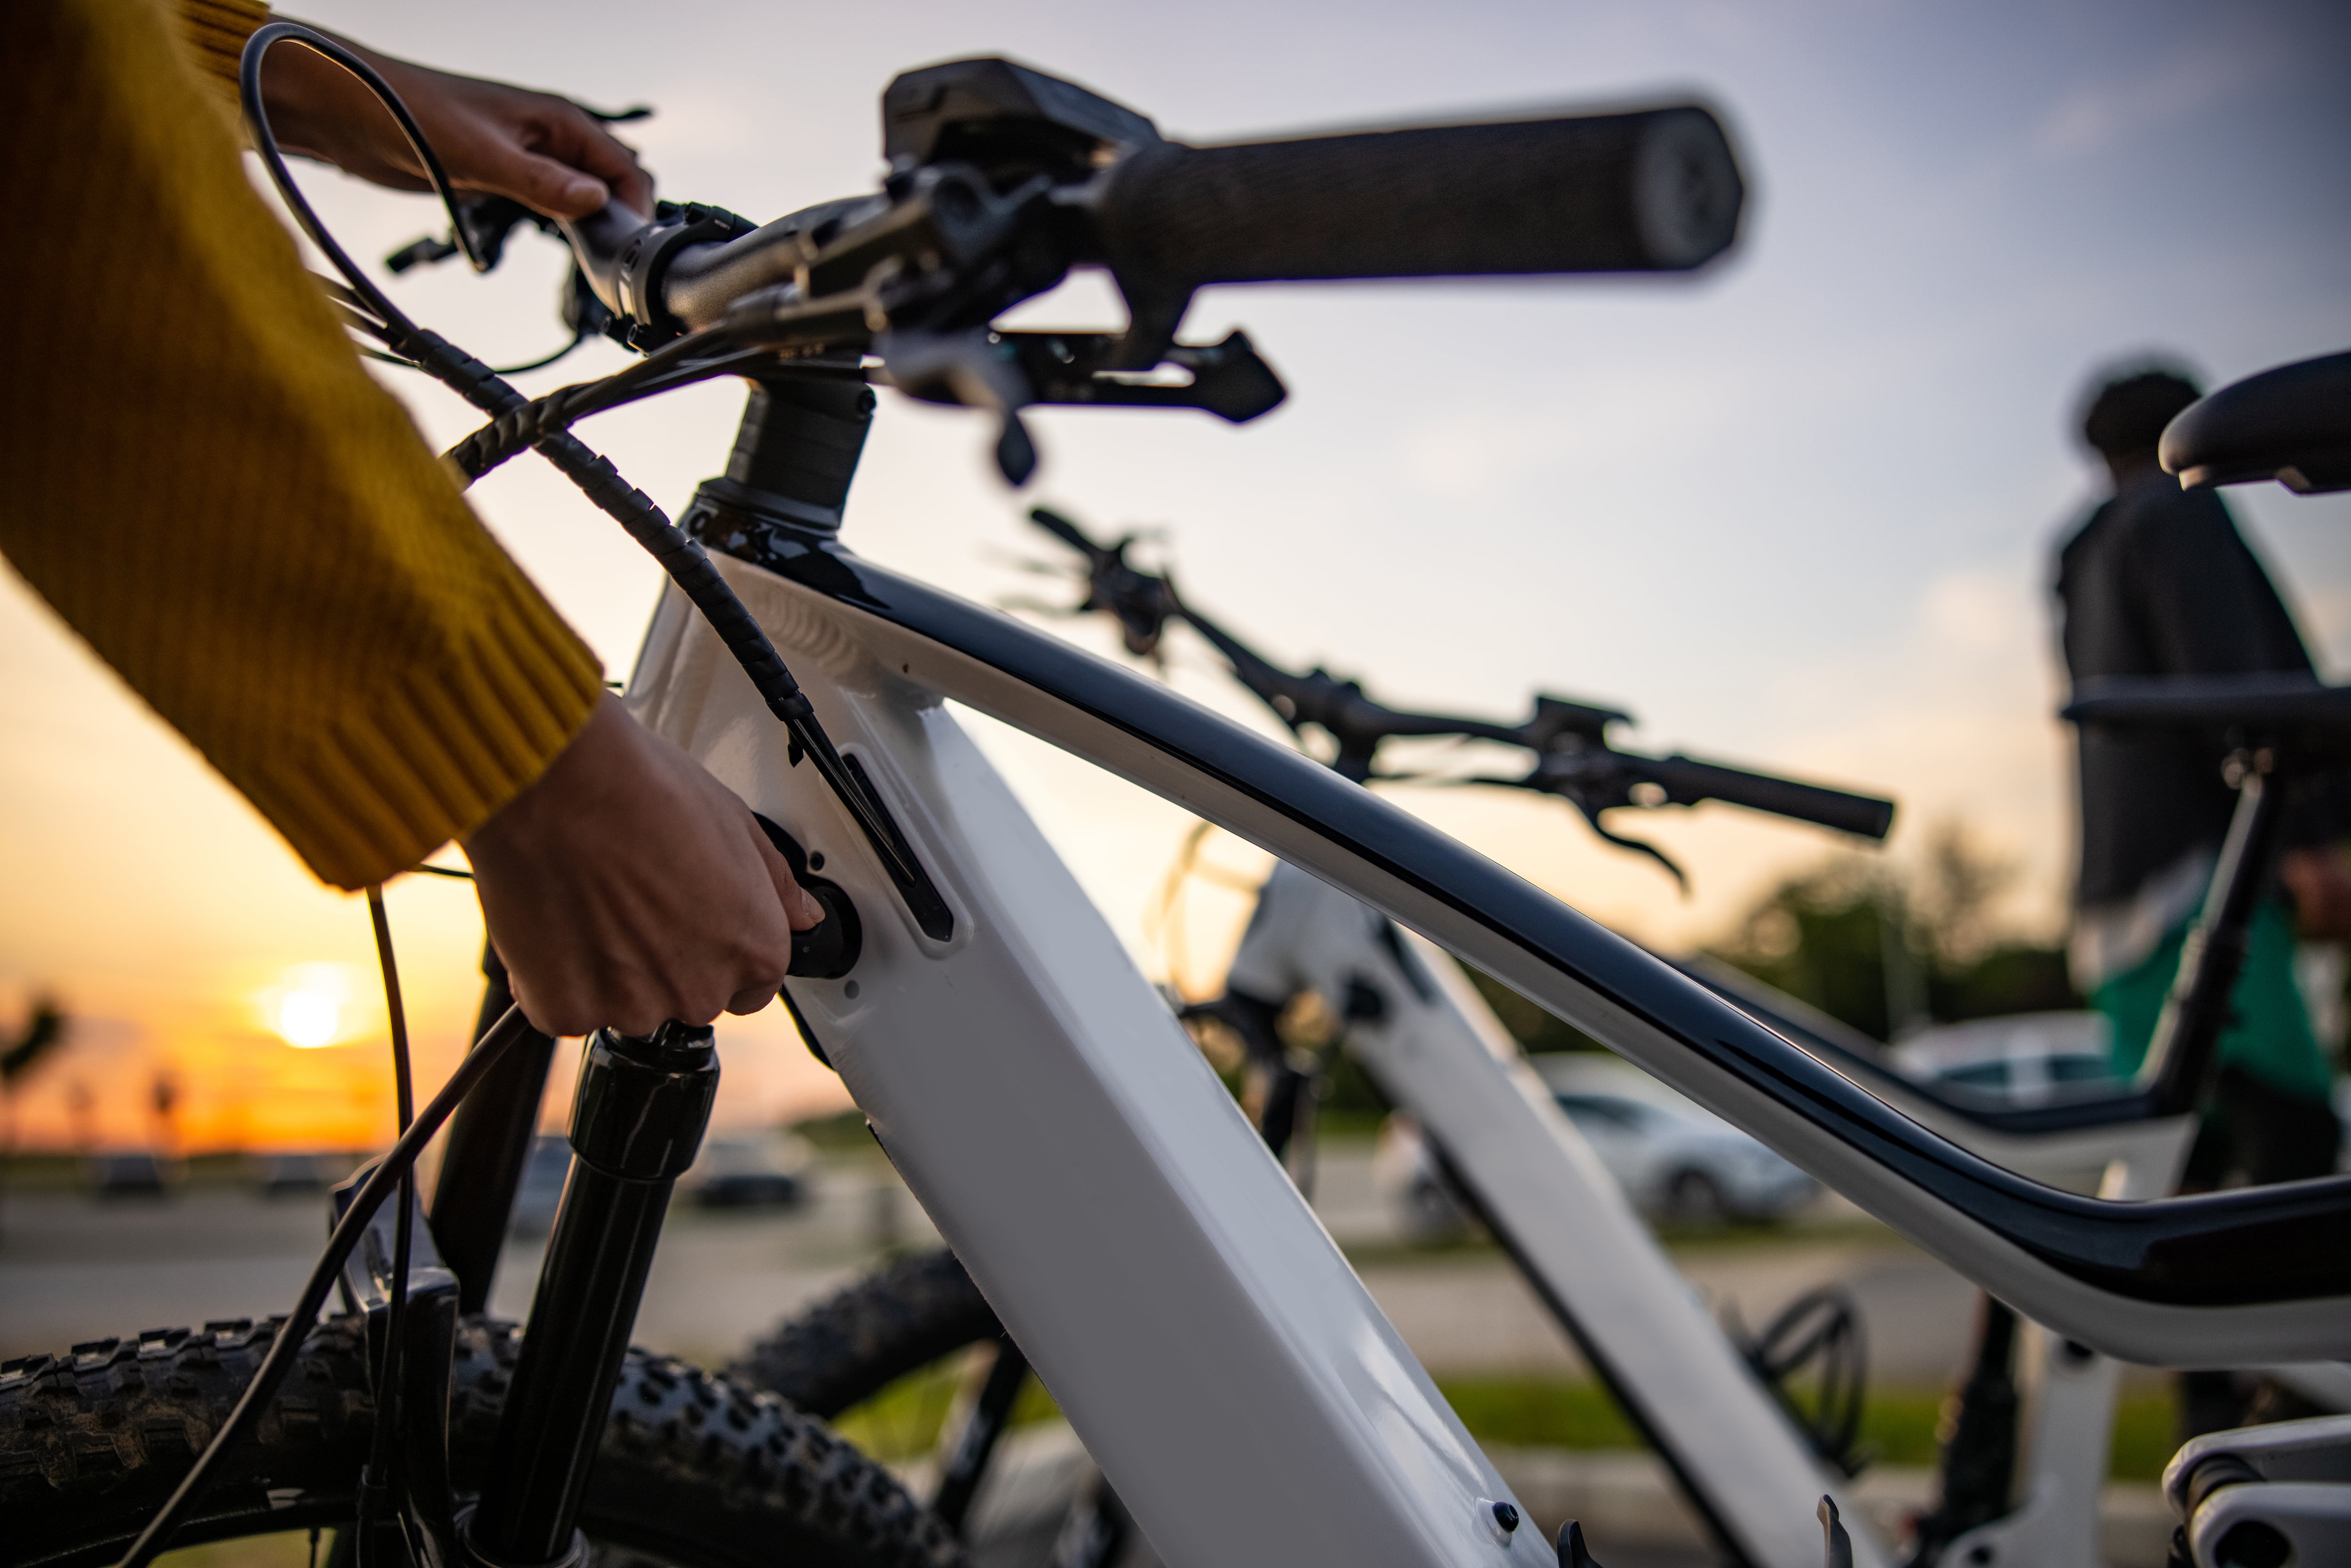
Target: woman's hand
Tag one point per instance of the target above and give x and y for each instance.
(627, 886)
(545, 151)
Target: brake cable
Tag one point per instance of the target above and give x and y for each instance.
(374, 1481)
(294, 1329)
(368, 309)
(682, 558)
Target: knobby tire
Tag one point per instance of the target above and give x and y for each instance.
(696, 1471)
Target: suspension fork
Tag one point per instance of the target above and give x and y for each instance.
(488, 1150)
(636, 1123)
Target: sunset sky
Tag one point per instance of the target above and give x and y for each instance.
(1796, 513)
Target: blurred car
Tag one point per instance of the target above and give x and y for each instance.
(1673, 1159)
(288, 1175)
(131, 1173)
(544, 1173)
(765, 1170)
(762, 1170)
(2024, 1058)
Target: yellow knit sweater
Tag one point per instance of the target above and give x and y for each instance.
(198, 475)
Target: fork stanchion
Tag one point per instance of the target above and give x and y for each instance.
(636, 1123)
(489, 1148)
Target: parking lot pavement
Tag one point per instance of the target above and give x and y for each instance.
(71, 1267)
(1468, 1312)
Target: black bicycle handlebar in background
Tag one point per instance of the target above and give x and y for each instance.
(1687, 781)
(1573, 758)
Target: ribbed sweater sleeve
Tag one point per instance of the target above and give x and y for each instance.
(216, 32)
(206, 485)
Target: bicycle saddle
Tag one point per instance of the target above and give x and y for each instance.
(2281, 707)
(2291, 423)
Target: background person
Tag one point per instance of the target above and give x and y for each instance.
(2159, 582)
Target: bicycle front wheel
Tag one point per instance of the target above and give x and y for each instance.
(695, 1471)
(874, 1351)
(847, 1348)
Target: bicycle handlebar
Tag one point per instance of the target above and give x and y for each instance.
(1653, 190)
(1687, 781)
(1017, 184)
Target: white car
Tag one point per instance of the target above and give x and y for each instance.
(2030, 1058)
(2023, 1058)
(1674, 1160)
(759, 1170)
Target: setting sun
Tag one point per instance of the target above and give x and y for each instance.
(309, 1017)
(306, 1007)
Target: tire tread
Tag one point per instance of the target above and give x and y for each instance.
(693, 1469)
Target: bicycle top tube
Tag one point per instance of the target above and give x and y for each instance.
(2289, 1244)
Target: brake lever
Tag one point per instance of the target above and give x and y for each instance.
(1681, 879)
(1592, 776)
(968, 367)
(1003, 372)
(489, 221)
(1142, 601)
(1230, 379)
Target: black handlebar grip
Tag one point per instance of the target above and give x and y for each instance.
(1689, 780)
(1649, 190)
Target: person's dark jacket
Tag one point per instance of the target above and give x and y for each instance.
(2159, 582)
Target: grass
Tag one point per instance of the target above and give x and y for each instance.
(288, 1549)
(1678, 1239)
(903, 1421)
(1897, 1425)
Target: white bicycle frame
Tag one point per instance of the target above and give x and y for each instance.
(1439, 1052)
(1205, 1337)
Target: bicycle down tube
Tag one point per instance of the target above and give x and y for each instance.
(1222, 1363)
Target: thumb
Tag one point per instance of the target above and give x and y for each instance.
(801, 911)
(800, 907)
